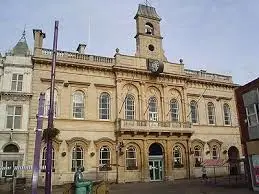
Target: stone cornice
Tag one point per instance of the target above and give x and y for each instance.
(49, 80)
(104, 86)
(16, 96)
(210, 96)
(77, 83)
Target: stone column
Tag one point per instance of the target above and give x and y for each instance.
(168, 161)
(145, 166)
(142, 99)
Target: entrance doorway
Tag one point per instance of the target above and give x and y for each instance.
(156, 162)
(233, 158)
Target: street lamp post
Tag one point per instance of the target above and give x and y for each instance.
(51, 114)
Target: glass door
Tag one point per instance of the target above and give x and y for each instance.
(155, 170)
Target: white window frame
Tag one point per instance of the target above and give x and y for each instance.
(78, 105)
(198, 149)
(44, 156)
(152, 109)
(131, 160)
(194, 104)
(227, 114)
(129, 113)
(16, 82)
(215, 149)
(107, 108)
(174, 110)
(211, 113)
(47, 103)
(102, 160)
(178, 149)
(14, 116)
(251, 115)
(77, 149)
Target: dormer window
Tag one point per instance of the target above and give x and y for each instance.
(149, 29)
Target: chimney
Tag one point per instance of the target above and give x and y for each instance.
(81, 48)
(38, 38)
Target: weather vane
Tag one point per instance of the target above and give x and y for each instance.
(147, 3)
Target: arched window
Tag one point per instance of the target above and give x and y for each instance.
(104, 106)
(149, 29)
(152, 107)
(178, 159)
(194, 111)
(174, 110)
(105, 158)
(78, 105)
(77, 157)
(47, 103)
(227, 116)
(44, 156)
(197, 156)
(211, 113)
(131, 158)
(129, 108)
(215, 152)
(11, 148)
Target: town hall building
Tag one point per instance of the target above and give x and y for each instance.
(135, 118)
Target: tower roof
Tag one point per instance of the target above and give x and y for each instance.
(21, 48)
(148, 12)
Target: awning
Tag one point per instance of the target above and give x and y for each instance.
(213, 162)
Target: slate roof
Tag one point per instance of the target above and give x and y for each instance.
(148, 12)
(21, 48)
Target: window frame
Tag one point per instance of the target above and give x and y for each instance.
(253, 114)
(47, 103)
(15, 82)
(78, 105)
(176, 113)
(212, 116)
(44, 157)
(14, 116)
(215, 149)
(108, 104)
(104, 166)
(194, 104)
(75, 159)
(228, 123)
(178, 148)
(199, 157)
(155, 107)
(127, 116)
(131, 160)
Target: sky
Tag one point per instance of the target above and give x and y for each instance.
(220, 36)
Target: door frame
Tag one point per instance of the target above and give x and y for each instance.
(161, 166)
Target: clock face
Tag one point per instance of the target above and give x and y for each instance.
(154, 66)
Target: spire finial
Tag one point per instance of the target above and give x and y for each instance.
(147, 3)
(24, 32)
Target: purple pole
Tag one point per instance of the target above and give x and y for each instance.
(51, 113)
(36, 161)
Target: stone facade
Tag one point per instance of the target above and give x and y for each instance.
(114, 111)
(15, 94)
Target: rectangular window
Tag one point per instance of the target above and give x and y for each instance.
(9, 165)
(14, 115)
(252, 115)
(17, 80)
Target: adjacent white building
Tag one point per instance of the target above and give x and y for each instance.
(15, 95)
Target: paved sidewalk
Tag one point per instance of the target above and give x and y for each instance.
(178, 187)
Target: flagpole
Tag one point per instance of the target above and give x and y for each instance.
(51, 114)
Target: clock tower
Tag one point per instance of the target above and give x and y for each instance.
(148, 37)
